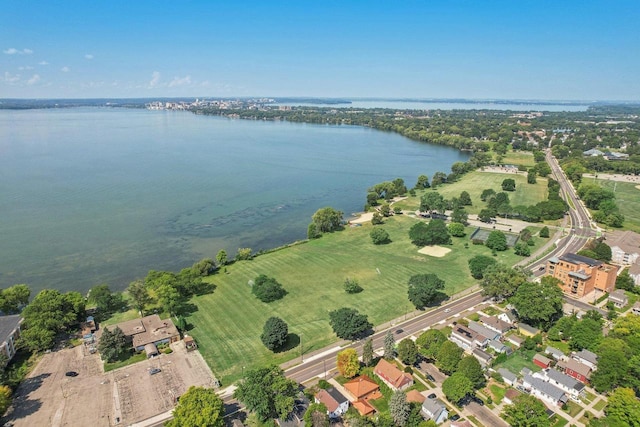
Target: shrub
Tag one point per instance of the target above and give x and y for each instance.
(267, 289)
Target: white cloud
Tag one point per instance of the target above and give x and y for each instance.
(43, 63)
(14, 51)
(33, 80)
(180, 81)
(26, 67)
(9, 78)
(155, 79)
(88, 56)
(65, 69)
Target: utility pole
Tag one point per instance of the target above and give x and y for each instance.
(301, 353)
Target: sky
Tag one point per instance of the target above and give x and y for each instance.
(530, 49)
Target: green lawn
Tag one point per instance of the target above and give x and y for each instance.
(475, 182)
(599, 406)
(560, 422)
(573, 408)
(497, 392)
(519, 158)
(517, 361)
(627, 199)
(134, 358)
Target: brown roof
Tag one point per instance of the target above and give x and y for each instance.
(361, 386)
(330, 398)
(415, 396)
(363, 407)
(149, 329)
(392, 374)
(542, 359)
(512, 393)
(575, 366)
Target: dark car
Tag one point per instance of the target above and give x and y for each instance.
(155, 371)
(432, 396)
(71, 374)
(455, 417)
(430, 377)
(477, 400)
(399, 331)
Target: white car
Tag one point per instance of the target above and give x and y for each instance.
(447, 310)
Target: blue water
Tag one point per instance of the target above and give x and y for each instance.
(100, 195)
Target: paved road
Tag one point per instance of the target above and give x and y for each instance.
(485, 415)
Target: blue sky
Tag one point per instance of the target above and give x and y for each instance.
(582, 50)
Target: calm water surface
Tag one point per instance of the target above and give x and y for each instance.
(94, 195)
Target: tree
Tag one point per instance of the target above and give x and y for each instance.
(438, 178)
(102, 297)
(625, 281)
(221, 257)
(198, 407)
(457, 387)
(5, 398)
(509, 184)
(422, 183)
(429, 343)
(522, 249)
(501, 281)
(539, 304)
(274, 333)
(613, 364)
(399, 408)
(623, 408)
(317, 415)
(544, 232)
(527, 411)
(140, 295)
(327, 219)
(244, 254)
(267, 392)
(424, 289)
(448, 357)
(312, 231)
(267, 289)
(531, 176)
(465, 199)
(479, 263)
(204, 267)
(385, 210)
(377, 219)
(348, 324)
(113, 344)
(407, 351)
(351, 286)
(367, 352)
(418, 233)
(379, 236)
(456, 229)
(587, 333)
(460, 215)
(389, 346)
(169, 298)
(347, 362)
(487, 194)
(497, 241)
(14, 298)
(602, 251)
(432, 201)
(470, 368)
(436, 233)
(486, 215)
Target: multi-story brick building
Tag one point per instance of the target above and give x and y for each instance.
(581, 275)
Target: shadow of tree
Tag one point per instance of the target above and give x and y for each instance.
(22, 406)
(293, 341)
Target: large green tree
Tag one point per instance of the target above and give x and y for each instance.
(613, 364)
(198, 407)
(367, 352)
(623, 408)
(479, 263)
(424, 289)
(470, 368)
(432, 201)
(140, 295)
(448, 357)
(274, 333)
(348, 323)
(14, 298)
(327, 219)
(457, 387)
(316, 415)
(267, 393)
(113, 344)
(539, 304)
(430, 341)
(389, 346)
(587, 333)
(497, 241)
(407, 351)
(527, 411)
(379, 236)
(399, 408)
(267, 289)
(501, 281)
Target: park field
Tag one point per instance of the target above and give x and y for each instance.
(627, 199)
(524, 158)
(227, 323)
(475, 182)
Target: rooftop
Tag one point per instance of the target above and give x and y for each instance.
(579, 259)
(8, 324)
(587, 355)
(549, 389)
(575, 366)
(564, 379)
(147, 330)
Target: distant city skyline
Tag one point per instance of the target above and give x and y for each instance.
(540, 50)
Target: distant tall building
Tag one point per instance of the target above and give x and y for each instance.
(581, 275)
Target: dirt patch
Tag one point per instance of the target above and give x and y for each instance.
(638, 187)
(435, 251)
(365, 217)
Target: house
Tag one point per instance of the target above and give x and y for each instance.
(499, 347)
(510, 395)
(544, 391)
(542, 361)
(618, 298)
(588, 358)
(525, 371)
(483, 357)
(625, 247)
(555, 353)
(636, 308)
(415, 396)
(467, 339)
(337, 405)
(527, 330)
(148, 330)
(592, 153)
(434, 409)
(496, 325)
(507, 376)
(363, 407)
(508, 317)
(392, 376)
(363, 387)
(634, 273)
(515, 340)
(575, 369)
(484, 331)
(580, 275)
(9, 334)
(574, 388)
(189, 343)
(461, 423)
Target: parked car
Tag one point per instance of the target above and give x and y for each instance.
(432, 396)
(155, 371)
(71, 374)
(430, 377)
(399, 331)
(455, 417)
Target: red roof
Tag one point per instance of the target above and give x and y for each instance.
(391, 374)
(361, 386)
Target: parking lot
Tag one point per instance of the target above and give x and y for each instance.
(119, 397)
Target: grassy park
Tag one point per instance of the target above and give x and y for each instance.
(228, 322)
(627, 199)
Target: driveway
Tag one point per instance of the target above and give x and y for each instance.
(485, 415)
(429, 368)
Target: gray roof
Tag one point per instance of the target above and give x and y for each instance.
(497, 345)
(507, 374)
(433, 407)
(546, 388)
(496, 323)
(525, 371)
(8, 324)
(529, 328)
(565, 380)
(554, 352)
(579, 259)
(481, 354)
(619, 296)
(588, 356)
(579, 274)
(482, 330)
(337, 396)
(515, 338)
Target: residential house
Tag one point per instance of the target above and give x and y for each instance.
(542, 361)
(508, 317)
(587, 357)
(484, 331)
(415, 396)
(625, 247)
(392, 376)
(362, 389)
(483, 357)
(636, 308)
(634, 273)
(434, 409)
(510, 395)
(507, 376)
(497, 325)
(499, 347)
(149, 330)
(544, 390)
(337, 404)
(515, 340)
(363, 407)
(461, 423)
(618, 298)
(574, 388)
(467, 339)
(555, 353)
(592, 153)
(527, 330)
(575, 369)
(580, 275)
(525, 371)
(9, 334)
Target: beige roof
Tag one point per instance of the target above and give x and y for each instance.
(628, 241)
(575, 366)
(415, 396)
(149, 329)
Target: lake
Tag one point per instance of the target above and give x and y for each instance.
(103, 195)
